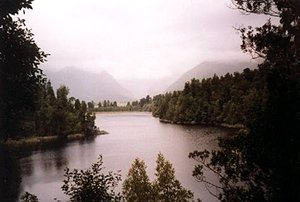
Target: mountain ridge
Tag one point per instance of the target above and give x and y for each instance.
(89, 86)
(209, 69)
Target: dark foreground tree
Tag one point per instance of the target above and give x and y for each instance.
(165, 188)
(28, 197)
(263, 163)
(91, 185)
(20, 76)
(137, 186)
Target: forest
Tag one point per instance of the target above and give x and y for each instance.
(260, 162)
(233, 99)
(55, 114)
(29, 106)
(143, 104)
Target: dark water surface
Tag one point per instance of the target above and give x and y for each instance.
(130, 135)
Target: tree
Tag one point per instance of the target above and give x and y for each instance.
(77, 105)
(61, 112)
(13, 7)
(28, 197)
(137, 186)
(148, 99)
(50, 96)
(99, 105)
(142, 102)
(91, 105)
(260, 164)
(83, 107)
(166, 186)
(71, 103)
(89, 128)
(91, 184)
(20, 76)
(44, 116)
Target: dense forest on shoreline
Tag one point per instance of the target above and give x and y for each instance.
(234, 99)
(55, 114)
(60, 115)
(261, 163)
(143, 104)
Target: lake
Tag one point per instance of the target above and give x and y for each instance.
(131, 135)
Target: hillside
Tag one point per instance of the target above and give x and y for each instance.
(89, 86)
(208, 69)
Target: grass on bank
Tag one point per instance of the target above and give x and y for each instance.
(35, 142)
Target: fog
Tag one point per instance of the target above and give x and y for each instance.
(137, 40)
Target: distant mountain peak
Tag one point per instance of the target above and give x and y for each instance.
(89, 86)
(69, 69)
(105, 74)
(207, 69)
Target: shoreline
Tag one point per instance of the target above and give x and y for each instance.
(34, 143)
(223, 125)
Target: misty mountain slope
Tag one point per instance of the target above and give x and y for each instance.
(89, 86)
(143, 87)
(208, 69)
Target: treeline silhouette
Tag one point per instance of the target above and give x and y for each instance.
(143, 104)
(261, 162)
(57, 114)
(234, 99)
(28, 104)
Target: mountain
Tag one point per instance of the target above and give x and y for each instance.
(208, 69)
(143, 87)
(89, 86)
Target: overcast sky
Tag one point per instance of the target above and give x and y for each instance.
(137, 39)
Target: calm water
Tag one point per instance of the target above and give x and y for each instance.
(130, 135)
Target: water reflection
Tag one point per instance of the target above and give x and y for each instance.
(54, 160)
(27, 167)
(10, 177)
(130, 135)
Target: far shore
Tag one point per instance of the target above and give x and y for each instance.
(35, 142)
(224, 125)
(122, 112)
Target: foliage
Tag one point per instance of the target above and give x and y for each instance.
(229, 99)
(260, 163)
(144, 104)
(62, 116)
(20, 75)
(90, 105)
(137, 186)
(89, 127)
(28, 197)
(28, 104)
(239, 181)
(91, 184)
(13, 7)
(263, 163)
(165, 187)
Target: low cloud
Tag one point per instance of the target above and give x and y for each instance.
(137, 39)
